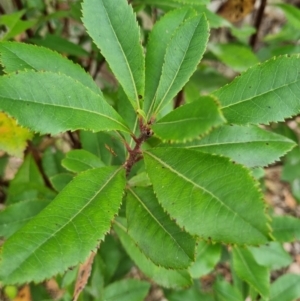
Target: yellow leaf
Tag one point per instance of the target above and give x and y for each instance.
(12, 136)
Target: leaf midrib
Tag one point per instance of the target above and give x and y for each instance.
(179, 66)
(202, 188)
(65, 107)
(248, 269)
(32, 252)
(123, 53)
(258, 95)
(158, 222)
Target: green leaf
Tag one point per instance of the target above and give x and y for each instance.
(237, 57)
(114, 29)
(267, 92)
(19, 57)
(208, 195)
(13, 138)
(250, 271)
(207, 256)
(67, 230)
(192, 294)
(106, 146)
(214, 20)
(183, 54)
(13, 217)
(59, 102)
(149, 226)
(167, 4)
(140, 179)
(271, 255)
(159, 38)
(291, 167)
(286, 228)
(27, 174)
(127, 290)
(224, 291)
(189, 121)
(292, 14)
(15, 24)
(165, 277)
(51, 162)
(285, 288)
(79, 160)
(59, 181)
(60, 44)
(248, 145)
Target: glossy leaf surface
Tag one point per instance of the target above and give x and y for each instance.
(250, 271)
(189, 121)
(114, 29)
(188, 185)
(165, 277)
(248, 145)
(48, 102)
(20, 56)
(183, 54)
(149, 226)
(65, 232)
(267, 92)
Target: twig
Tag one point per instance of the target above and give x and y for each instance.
(37, 158)
(135, 154)
(258, 20)
(75, 141)
(2, 11)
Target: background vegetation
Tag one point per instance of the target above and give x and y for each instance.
(35, 168)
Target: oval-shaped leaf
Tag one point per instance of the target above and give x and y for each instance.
(79, 160)
(183, 54)
(224, 291)
(285, 288)
(207, 256)
(250, 271)
(286, 228)
(248, 145)
(159, 38)
(48, 102)
(65, 232)
(149, 226)
(267, 92)
(271, 255)
(165, 277)
(189, 121)
(208, 195)
(237, 57)
(20, 56)
(114, 29)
